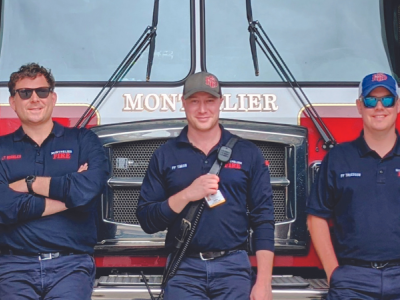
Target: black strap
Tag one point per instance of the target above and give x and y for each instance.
(187, 221)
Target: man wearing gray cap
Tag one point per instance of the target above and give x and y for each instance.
(216, 264)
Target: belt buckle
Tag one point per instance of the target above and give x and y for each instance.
(47, 256)
(202, 258)
(377, 265)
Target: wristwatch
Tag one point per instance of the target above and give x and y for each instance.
(29, 181)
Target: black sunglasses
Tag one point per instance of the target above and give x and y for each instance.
(372, 102)
(42, 92)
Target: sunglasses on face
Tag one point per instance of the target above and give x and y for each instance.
(372, 102)
(42, 92)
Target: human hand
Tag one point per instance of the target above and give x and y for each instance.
(201, 187)
(329, 273)
(83, 167)
(261, 292)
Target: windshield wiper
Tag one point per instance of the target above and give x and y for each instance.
(153, 40)
(259, 36)
(147, 39)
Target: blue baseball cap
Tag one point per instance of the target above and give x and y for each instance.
(375, 80)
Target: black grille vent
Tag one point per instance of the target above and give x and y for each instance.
(126, 199)
(138, 155)
(140, 152)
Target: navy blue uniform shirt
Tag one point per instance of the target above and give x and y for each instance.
(361, 192)
(244, 181)
(59, 157)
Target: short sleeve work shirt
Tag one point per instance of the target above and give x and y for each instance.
(361, 192)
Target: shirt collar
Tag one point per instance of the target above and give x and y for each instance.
(225, 136)
(57, 130)
(364, 149)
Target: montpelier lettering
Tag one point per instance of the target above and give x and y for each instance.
(173, 102)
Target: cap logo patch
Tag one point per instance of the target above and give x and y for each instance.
(379, 77)
(211, 81)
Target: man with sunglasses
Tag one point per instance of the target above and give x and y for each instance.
(51, 178)
(358, 186)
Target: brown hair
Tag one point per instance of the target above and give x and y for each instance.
(31, 70)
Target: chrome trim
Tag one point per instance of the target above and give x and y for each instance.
(290, 234)
(314, 168)
(114, 182)
(136, 293)
(125, 182)
(167, 133)
(158, 242)
(280, 181)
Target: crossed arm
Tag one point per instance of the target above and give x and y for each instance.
(41, 187)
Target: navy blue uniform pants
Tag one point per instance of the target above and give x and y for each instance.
(351, 282)
(226, 277)
(26, 277)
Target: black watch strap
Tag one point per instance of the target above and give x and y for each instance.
(29, 181)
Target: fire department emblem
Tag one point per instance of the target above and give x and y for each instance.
(211, 81)
(379, 77)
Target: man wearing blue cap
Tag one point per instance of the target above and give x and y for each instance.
(358, 186)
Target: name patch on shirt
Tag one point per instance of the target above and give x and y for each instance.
(181, 166)
(397, 171)
(233, 164)
(61, 154)
(347, 175)
(11, 157)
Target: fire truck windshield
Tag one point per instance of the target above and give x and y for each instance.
(85, 40)
(319, 40)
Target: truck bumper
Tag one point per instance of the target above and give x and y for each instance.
(316, 290)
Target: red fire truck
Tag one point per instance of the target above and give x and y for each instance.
(289, 70)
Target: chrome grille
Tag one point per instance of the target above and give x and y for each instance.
(125, 203)
(275, 154)
(140, 153)
(279, 196)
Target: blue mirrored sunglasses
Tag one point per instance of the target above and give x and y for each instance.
(372, 102)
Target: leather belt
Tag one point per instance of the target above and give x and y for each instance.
(370, 264)
(214, 254)
(40, 256)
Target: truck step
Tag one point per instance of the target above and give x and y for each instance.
(154, 280)
(288, 281)
(129, 280)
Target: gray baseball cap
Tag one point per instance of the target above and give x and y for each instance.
(202, 82)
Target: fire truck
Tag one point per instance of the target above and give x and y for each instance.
(289, 72)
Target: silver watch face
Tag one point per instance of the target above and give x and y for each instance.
(30, 178)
